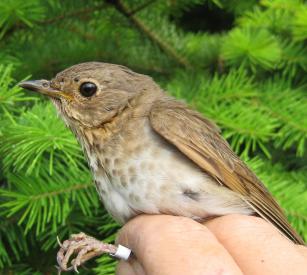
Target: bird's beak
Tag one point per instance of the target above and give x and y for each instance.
(43, 87)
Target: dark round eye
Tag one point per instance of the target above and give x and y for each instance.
(88, 89)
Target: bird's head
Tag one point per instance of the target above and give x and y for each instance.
(93, 93)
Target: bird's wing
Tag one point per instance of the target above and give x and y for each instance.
(199, 140)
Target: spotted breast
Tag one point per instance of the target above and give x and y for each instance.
(137, 171)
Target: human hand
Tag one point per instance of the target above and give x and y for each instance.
(233, 244)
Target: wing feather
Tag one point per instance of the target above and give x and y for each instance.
(199, 139)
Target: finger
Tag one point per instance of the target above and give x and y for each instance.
(131, 267)
(124, 268)
(257, 246)
(175, 245)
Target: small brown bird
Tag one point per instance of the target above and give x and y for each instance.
(150, 153)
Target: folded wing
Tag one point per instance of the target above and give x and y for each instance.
(199, 140)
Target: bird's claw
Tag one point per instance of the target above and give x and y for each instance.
(84, 247)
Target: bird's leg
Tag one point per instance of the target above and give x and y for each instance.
(85, 247)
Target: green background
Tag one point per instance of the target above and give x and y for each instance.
(241, 63)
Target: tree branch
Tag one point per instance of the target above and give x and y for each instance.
(139, 24)
(83, 11)
(141, 7)
(61, 191)
(75, 13)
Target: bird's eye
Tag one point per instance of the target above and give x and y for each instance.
(88, 89)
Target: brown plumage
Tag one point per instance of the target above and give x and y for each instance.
(150, 153)
(200, 140)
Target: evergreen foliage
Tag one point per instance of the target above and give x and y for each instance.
(241, 63)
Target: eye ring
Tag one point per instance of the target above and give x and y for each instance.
(88, 89)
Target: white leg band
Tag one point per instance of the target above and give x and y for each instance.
(122, 253)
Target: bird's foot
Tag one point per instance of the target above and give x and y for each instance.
(84, 247)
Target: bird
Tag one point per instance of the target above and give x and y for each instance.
(151, 153)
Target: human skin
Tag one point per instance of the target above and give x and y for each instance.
(232, 244)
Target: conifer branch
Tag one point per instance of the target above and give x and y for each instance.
(83, 11)
(253, 87)
(154, 37)
(141, 7)
(84, 35)
(286, 120)
(297, 215)
(48, 21)
(61, 191)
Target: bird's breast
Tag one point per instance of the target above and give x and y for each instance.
(140, 172)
